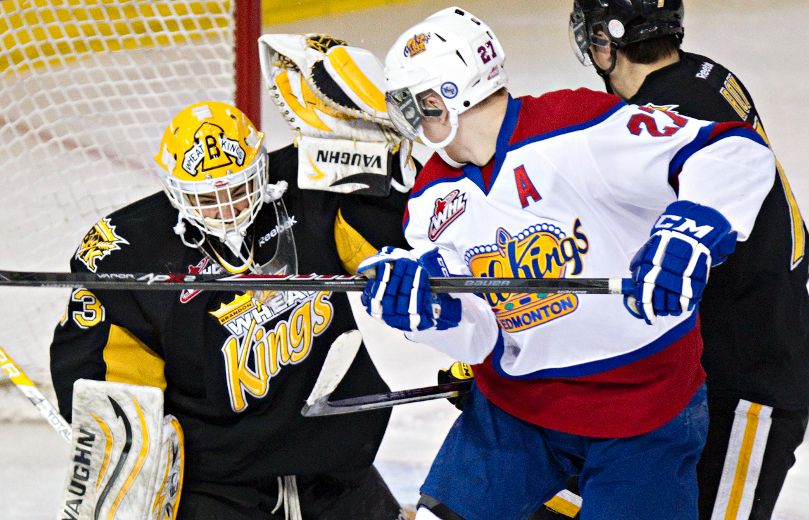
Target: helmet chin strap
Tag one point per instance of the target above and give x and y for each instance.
(234, 241)
(605, 73)
(449, 160)
(453, 130)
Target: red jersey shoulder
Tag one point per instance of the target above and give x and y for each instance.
(434, 170)
(561, 109)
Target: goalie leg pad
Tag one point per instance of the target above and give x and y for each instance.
(127, 457)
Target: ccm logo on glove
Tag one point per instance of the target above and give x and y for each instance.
(686, 225)
(671, 269)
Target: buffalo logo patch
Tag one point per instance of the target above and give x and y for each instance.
(98, 243)
(446, 210)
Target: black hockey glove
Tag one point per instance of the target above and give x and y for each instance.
(456, 373)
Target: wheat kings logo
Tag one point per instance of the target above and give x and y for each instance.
(255, 352)
(212, 149)
(98, 243)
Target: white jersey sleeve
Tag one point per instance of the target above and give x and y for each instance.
(477, 333)
(715, 177)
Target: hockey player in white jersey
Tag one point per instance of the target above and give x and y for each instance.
(568, 184)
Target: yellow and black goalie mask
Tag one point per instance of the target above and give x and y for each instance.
(214, 169)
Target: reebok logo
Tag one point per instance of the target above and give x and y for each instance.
(705, 70)
(276, 230)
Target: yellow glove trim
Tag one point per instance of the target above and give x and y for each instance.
(461, 371)
(356, 80)
(305, 112)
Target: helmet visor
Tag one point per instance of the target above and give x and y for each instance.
(579, 38)
(404, 112)
(407, 111)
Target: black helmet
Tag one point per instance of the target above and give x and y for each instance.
(624, 21)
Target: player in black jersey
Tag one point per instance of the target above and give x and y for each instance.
(754, 311)
(235, 368)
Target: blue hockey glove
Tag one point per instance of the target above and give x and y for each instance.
(671, 269)
(398, 291)
(447, 310)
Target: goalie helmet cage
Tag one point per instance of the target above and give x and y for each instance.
(88, 87)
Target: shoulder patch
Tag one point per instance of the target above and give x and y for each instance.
(99, 243)
(445, 211)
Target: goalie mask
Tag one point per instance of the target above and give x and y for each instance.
(452, 54)
(213, 167)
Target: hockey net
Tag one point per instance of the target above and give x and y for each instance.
(86, 89)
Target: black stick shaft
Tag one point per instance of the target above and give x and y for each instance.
(336, 283)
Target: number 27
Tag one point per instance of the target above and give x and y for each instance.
(648, 121)
(485, 57)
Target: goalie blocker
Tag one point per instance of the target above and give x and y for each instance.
(332, 96)
(126, 458)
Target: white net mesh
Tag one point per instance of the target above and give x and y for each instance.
(86, 89)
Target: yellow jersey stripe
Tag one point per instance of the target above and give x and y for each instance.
(129, 360)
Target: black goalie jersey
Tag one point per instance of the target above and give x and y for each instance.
(755, 310)
(235, 367)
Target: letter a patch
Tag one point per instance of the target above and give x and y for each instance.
(525, 188)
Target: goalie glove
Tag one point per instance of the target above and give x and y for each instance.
(333, 97)
(127, 458)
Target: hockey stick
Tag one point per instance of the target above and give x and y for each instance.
(323, 406)
(341, 354)
(27, 387)
(311, 282)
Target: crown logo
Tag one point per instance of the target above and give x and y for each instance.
(416, 45)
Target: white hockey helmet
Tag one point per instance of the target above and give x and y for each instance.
(451, 53)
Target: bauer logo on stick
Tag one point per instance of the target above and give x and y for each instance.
(98, 243)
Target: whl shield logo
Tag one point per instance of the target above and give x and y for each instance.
(446, 210)
(203, 267)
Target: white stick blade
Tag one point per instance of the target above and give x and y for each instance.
(341, 354)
